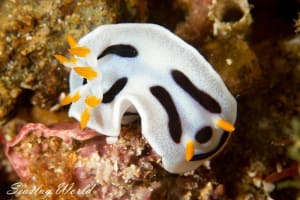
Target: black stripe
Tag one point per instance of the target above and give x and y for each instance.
(114, 90)
(202, 97)
(122, 50)
(166, 101)
(84, 81)
(204, 134)
(130, 113)
(202, 156)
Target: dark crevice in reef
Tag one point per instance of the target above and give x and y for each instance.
(165, 13)
(274, 18)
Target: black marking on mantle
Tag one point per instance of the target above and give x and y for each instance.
(84, 81)
(204, 134)
(114, 90)
(122, 50)
(202, 156)
(166, 101)
(200, 96)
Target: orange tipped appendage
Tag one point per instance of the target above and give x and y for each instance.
(71, 41)
(73, 60)
(76, 97)
(86, 72)
(92, 101)
(80, 51)
(67, 100)
(189, 150)
(70, 99)
(225, 125)
(85, 117)
(61, 59)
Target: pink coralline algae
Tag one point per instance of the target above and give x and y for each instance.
(21, 163)
(64, 154)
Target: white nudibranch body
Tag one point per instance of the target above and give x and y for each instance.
(186, 111)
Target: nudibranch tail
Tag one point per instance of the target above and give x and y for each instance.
(80, 51)
(70, 99)
(71, 41)
(189, 150)
(92, 101)
(86, 72)
(84, 118)
(225, 125)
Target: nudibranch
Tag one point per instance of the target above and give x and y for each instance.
(186, 111)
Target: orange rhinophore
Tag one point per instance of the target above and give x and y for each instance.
(225, 125)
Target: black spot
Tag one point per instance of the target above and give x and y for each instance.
(204, 134)
(114, 90)
(84, 81)
(121, 50)
(200, 96)
(166, 101)
(202, 156)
